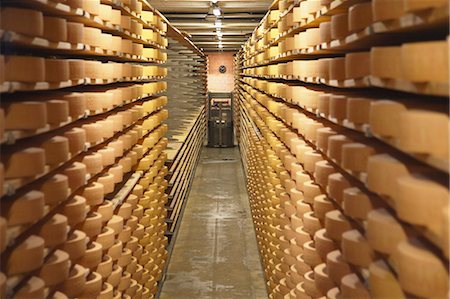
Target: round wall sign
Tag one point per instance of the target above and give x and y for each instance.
(222, 69)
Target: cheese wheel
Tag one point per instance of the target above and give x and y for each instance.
(105, 267)
(385, 117)
(356, 250)
(117, 172)
(359, 16)
(106, 209)
(23, 21)
(336, 224)
(93, 132)
(116, 250)
(75, 33)
(322, 138)
(384, 62)
(310, 255)
(92, 257)
(93, 162)
(415, 5)
(57, 70)
(310, 191)
(107, 180)
(417, 201)
(17, 69)
(26, 163)
(26, 209)
(77, 69)
(322, 170)
(55, 269)
(75, 210)
(336, 185)
(108, 128)
(357, 65)
(337, 69)
(311, 158)
(54, 231)
(116, 274)
(92, 37)
(17, 116)
(335, 145)
(77, 140)
(339, 26)
(383, 172)
(322, 205)
(383, 283)
(310, 286)
(74, 284)
(93, 193)
(358, 111)
(57, 112)
(336, 266)
(430, 133)
(325, 32)
(56, 150)
(383, 231)
(93, 286)
(323, 244)
(33, 288)
(387, 10)
(75, 245)
(352, 287)
(26, 257)
(105, 238)
(3, 239)
(55, 29)
(321, 279)
(116, 223)
(356, 203)
(76, 174)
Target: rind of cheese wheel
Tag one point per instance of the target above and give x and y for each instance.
(325, 32)
(125, 22)
(385, 62)
(77, 104)
(28, 256)
(75, 33)
(116, 274)
(54, 231)
(93, 163)
(339, 26)
(92, 36)
(355, 156)
(93, 132)
(92, 257)
(24, 69)
(76, 174)
(337, 183)
(105, 267)
(322, 170)
(33, 288)
(353, 287)
(92, 225)
(77, 140)
(56, 268)
(321, 279)
(56, 150)
(2, 285)
(335, 145)
(27, 209)
(26, 163)
(336, 224)
(105, 12)
(310, 191)
(337, 69)
(55, 29)
(75, 245)
(358, 110)
(419, 201)
(383, 172)
(77, 69)
(359, 16)
(322, 205)
(336, 266)
(3, 226)
(387, 10)
(357, 65)
(23, 21)
(338, 107)
(105, 238)
(424, 132)
(322, 137)
(383, 231)
(415, 5)
(57, 70)
(383, 283)
(74, 284)
(57, 112)
(356, 203)
(136, 27)
(385, 117)
(432, 279)
(421, 61)
(75, 210)
(355, 249)
(17, 116)
(324, 245)
(310, 286)
(93, 286)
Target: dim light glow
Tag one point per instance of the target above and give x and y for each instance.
(216, 11)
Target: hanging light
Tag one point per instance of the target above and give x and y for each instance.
(216, 10)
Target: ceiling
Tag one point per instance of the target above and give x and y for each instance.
(196, 18)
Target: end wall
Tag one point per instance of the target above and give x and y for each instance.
(218, 82)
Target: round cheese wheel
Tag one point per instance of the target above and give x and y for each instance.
(383, 172)
(116, 274)
(336, 266)
(358, 110)
(383, 282)
(322, 205)
(92, 36)
(337, 69)
(385, 117)
(353, 287)
(33, 288)
(17, 116)
(26, 257)
(359, 16)
(383, 231)
(106, 209)
(336, 186)
(75, 33)
(76, 174)
(77, 69)
(335, 144)
(321, 279)
(57, 112)
(56, 150)
(92, 257)
(75, 245)
(23, 21)
(357, 65)
(322, 170)
(356, 250)
(325, 32)
(54, 231)
(92, 225)
(55, 269)
(355, 156)
(105, 267)
(55, 29)
(384, 62)
(339, 26)
(57, 70)
(93, 193)
(75, 210)
(74, 284)
(116, 250)
(356, 204)
(93, 132)
(105, 238)
(107, 180)
(77, 140)
(26, 209)
(107, 291)
(25, 163)
(17, 69)
(336, 224)
(323, 244)
(93, 286)
(387, 10)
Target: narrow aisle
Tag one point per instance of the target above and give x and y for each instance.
(215, 254)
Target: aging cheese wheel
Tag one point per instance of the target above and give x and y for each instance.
(76, 174)
(324, 245)
(357, 65)
(358, 110)
(57, 70)
(75, 210)
(356, 250)
(336, 266)
(25, 69)
(383, 231)
(355, 156)
(26, 209)
(28, 256)
(325, 32)
(33, 288)
(56, 150)
(75, 33)
(383, 283)
(385, 117)
(57, 112)
(359, 16)
(387, 10)
(415, 5)
(385, 62)
(24, 21)
(383, 172)
(337, 69)
(56, 268)
(353, 287)
(55, 29)
(336, 224)
(75, 245)
(339, 26)
(74, 284)
(17, 116)
(356, 203)
(54, 231)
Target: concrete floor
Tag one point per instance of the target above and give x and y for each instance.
(215, 254)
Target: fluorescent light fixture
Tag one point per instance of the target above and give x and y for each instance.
(220, 46)
(216, 11)
(219, 33)
(214, 1)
